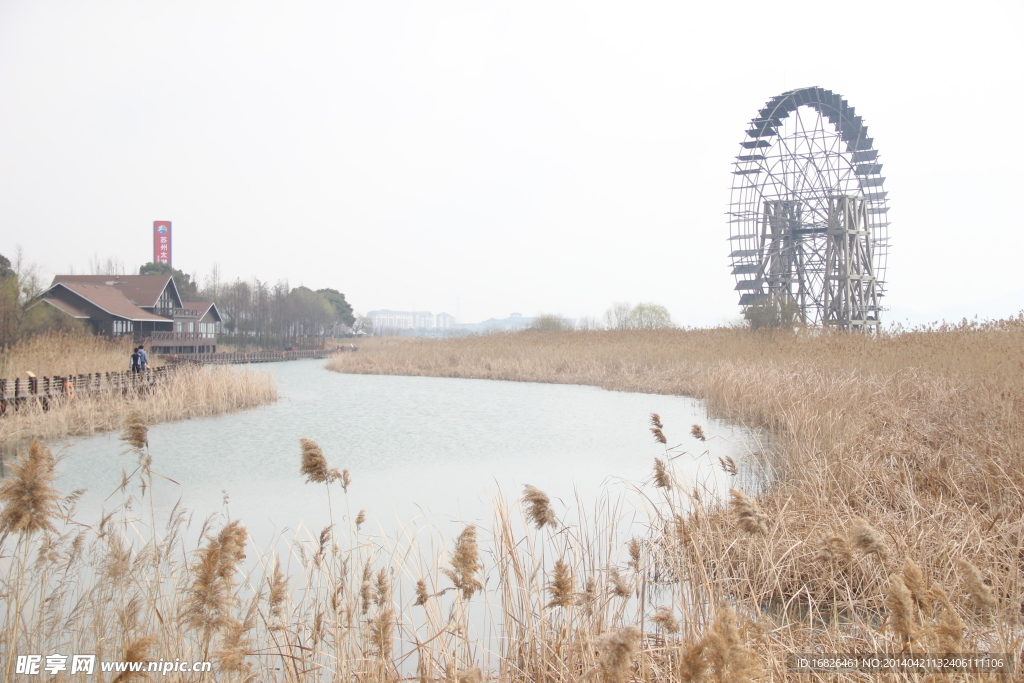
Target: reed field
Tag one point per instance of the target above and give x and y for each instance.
(68, 354)
(892, 524)
(191, 391)
(894, 521)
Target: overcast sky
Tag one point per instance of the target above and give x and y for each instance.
(481, 158)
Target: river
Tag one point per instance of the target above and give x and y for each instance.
(421, 449)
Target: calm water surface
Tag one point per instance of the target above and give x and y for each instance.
(418, 449)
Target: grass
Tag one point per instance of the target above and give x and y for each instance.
(67, 354)
(894, 526)
(896, 456)
(191, 392)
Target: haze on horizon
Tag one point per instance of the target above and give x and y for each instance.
(481, 158)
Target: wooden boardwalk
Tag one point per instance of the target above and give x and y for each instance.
(251, 356)
(48, 391)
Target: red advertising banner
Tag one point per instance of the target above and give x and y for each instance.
(162, 242)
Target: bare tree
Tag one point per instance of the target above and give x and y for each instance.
(111, 266)
(617, 317)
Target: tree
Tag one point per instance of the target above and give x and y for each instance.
(548, 322)
(363, 324)
(10, 313)
(643, 316)
(20, 288)
(588, 322)
(649, 316)
(342, 309)
(187, 289)
(617, 317)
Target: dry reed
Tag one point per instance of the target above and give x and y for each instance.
(65, 354)
(28, 496)
(920, 433)
(189, 393)
(538, 508)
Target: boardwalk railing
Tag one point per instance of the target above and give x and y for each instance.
(251, 356)
(47, 391)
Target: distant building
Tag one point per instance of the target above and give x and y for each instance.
(148, 307)
(444, 321)
(401, 320)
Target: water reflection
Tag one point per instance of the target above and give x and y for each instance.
(434, 450)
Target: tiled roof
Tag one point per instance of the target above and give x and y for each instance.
(142, 290)
(203, 307)
(111, 299)
(67, 308)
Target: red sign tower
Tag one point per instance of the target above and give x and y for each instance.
(162, 242)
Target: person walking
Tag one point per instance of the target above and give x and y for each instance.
(136, 360)
(143, 359)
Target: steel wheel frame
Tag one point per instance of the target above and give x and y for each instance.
(804, 149)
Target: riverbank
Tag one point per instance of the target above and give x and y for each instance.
(63, 354)
(190, 392)
(896, 521)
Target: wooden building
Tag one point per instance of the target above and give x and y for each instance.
(148, 307)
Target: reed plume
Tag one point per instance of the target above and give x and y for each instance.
(868, 540)
(314, 464)
(562, 585)
(728, 465)
(135, 432)
(661, 476)
(665, 620)
(902, 620)
(588, 596)
(659, 435)
(136, 651)
(980, 594)
(621, 588)
(382, 633)
(209, 599)
(835, 549)
(656, 421)
(421, 593)
(30, 501)
(233, 650)
(913, 579)
(692, 662)
(366, 587)
(538, 507)
(949, 631)
(360, 518)
(729, 659)
(748, 513)
(465, 563)
(697, 432)
(618, 648)
(382, 588)
(277, 594)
